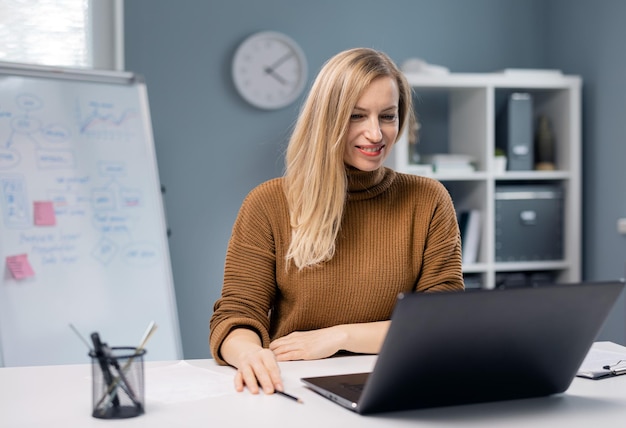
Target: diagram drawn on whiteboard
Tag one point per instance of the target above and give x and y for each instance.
(102, 120)
(83, 235)
(80, 164)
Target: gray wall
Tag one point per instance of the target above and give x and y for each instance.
(587, 37)
(212, 147)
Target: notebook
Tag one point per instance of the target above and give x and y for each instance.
(476, 346)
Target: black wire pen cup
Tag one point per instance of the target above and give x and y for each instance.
(118, 382)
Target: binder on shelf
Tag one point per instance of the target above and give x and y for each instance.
(469, 226)
(514, 132)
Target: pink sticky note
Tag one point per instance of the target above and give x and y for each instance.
(44, 213)
(20, 267)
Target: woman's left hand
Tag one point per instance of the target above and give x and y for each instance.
(309, 345)
(363, 338)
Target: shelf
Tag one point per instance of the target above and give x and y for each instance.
(531, 266)
(457, 114)
(532, 175)
(475, 268)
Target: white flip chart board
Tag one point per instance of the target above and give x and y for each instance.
(83, 237)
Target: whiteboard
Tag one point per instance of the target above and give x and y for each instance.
(83, 236)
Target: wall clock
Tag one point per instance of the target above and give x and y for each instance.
(269, 70)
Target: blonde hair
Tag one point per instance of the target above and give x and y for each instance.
(315, 175)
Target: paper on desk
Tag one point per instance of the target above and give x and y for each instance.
(184, 382)
(596, 359)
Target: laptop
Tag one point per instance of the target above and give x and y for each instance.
(477, 346)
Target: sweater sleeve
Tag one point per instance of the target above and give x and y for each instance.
(442, 269)
(249, 274)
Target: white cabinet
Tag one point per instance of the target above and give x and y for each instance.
(461, 109)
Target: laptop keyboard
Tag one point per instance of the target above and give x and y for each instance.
(355, 387)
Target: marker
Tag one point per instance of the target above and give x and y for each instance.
(104, 368)
(144, 340)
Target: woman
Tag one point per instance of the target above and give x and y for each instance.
(317, 257)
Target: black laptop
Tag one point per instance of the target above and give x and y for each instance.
(476, 346)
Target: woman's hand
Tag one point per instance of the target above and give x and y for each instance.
(256, 366)
(309, 345)
(365, 338)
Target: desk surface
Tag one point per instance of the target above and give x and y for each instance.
(198, 393)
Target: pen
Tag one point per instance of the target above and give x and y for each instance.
(124, 382)
(111, 391)
(291, 397)
(75, 330)
(104, 367)
(615, 372)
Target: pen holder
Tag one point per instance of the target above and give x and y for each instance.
(118, 383)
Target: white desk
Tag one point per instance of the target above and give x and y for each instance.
(198, 393)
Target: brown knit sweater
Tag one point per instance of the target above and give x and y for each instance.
(399, 234)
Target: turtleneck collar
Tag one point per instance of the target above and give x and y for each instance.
(368, 184)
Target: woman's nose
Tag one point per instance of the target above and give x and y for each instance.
(373, 132)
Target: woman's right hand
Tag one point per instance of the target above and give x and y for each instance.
(256, 366)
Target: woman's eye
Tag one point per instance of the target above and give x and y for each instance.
(389, 117)
(356, 116)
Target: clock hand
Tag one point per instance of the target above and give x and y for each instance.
(271, 69)
(275, 75)
(278, 62)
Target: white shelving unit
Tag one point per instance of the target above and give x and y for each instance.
(470, 126)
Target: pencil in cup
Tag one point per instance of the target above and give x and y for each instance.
(103, 405)
(123, 396)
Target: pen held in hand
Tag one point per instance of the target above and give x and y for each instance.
(291, 397)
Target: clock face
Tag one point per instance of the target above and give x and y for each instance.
(269, 70)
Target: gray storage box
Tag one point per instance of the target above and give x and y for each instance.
(529, 223)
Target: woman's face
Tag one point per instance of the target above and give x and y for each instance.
(373, 125)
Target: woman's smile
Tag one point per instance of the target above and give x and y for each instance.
(373, 125)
